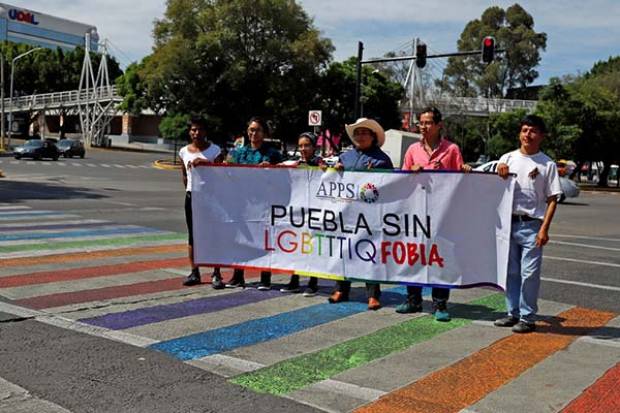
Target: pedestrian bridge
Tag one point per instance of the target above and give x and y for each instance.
(468, 106)
(62, 100)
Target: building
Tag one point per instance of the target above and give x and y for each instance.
(30, 27)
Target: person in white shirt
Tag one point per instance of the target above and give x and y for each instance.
(536, 192)
(199, 152)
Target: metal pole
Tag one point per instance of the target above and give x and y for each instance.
(15, 59)
(412, 89)
(358, 79)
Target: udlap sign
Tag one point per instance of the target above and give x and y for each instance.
(315, 117)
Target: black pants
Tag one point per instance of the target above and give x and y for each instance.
(312, 283)
(265, 276)
(372, 290)
(440, 295)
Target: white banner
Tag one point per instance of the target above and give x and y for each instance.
(432, 228)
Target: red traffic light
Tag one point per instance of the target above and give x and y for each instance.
(488, 49)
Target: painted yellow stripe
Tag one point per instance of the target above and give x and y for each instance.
(462, 384)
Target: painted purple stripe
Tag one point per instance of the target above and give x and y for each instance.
(143, 316)
(54, 226)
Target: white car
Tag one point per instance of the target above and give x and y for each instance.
(569, 188)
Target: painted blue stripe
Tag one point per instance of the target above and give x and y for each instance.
(266, 329)
(77, 233)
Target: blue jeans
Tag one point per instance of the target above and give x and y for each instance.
(524, 263)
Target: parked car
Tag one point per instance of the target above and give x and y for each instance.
(569, 188)
(37, 149)
(69, 148)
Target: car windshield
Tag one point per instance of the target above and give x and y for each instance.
(64, 144)
(34, 143)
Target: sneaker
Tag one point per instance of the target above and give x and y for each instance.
(523, 327)
(440, 311)
(409, 307)
(236, 283)
(216, 283)
(373, 304)
(507, 321)
(263, 287)
(337, 297)
(290, 289)
(192, 279)
(310, 292)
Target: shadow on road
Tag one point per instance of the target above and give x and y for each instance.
(17, 191)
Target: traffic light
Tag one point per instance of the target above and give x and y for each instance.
(420, 55)
(488, 49)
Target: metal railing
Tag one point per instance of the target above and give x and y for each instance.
(65, 99)
(477, 106)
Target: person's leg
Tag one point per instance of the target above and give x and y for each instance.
(531, 263)
(341, 292)
(440, 303)
(373, 292)
(413, 304)
(513, 280)
(265, 281)
(194, 276)
(237, 280)
(312, 288)
(292, 286)
(216, 279)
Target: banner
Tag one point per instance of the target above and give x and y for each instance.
(432, 228)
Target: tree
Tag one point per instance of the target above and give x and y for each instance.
(513, 30)
(230, 59)
(336, 96)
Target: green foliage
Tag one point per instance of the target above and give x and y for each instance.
(504, 132)
(174, 127)
(514, 32)
(46, 70)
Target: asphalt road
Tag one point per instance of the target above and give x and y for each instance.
(46, 365)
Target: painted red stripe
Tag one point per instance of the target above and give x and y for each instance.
(88, 272)
(601, 397)
(106, 293)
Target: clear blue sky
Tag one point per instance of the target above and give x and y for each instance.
(579, 32)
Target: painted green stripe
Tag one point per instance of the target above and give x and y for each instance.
(293, 374)
(91, 243)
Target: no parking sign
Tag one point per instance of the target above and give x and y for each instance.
(315, 117)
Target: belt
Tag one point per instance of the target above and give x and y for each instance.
(524, 218)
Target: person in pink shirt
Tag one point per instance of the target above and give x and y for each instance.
(431, 153)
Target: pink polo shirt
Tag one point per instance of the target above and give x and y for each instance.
(446, 157)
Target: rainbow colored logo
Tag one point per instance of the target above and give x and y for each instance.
(369, 193)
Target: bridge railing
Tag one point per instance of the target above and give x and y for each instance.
(61, 99)
(471, 105)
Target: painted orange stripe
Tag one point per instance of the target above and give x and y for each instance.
(91, 255)
(89, 272)
(107, 293)
(469, 380)
(602, 397)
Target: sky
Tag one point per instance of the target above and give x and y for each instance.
(579, 33)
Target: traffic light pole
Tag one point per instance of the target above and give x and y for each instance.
(360, 62)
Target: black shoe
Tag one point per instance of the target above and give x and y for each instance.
(263, 287)
(523, 327)
(236, 283)
(507, 321)
(216, 283)
(192, 279)
(290, 289)
(310, 291)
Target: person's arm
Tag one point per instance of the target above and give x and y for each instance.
(543, 235)
(503, 171)
(183, 173)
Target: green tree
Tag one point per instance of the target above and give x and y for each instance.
(336, 96)
(514, 32)
(231, 59)
(174, 127)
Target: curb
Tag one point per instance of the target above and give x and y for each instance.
(166, 165)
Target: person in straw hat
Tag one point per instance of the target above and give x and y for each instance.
(367, 137)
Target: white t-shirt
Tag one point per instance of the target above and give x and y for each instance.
(187, 157)
(537, 179)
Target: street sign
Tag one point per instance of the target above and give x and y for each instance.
(315, 117)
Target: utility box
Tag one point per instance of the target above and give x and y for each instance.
(396, 144)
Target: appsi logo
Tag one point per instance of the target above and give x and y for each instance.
(369, 193)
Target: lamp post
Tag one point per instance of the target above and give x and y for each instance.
(2, 129)
(15, 59)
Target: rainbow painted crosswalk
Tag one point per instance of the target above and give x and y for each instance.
(123, 282)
